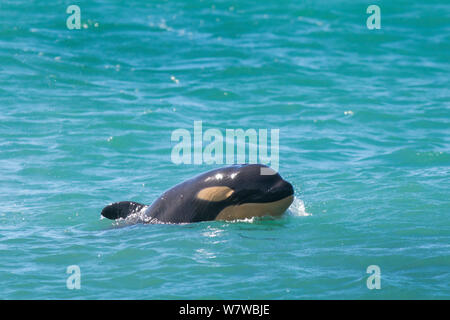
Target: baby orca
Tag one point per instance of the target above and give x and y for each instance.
(229, 193)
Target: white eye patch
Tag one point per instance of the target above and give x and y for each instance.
(215, 193)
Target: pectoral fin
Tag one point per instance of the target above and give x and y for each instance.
(121, 209)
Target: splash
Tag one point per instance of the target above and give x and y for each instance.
(297, 208)
(138, 217)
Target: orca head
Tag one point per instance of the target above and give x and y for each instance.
(246, 191)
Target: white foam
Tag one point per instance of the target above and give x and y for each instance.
(246, 220)
(297, 208)
(138, 217)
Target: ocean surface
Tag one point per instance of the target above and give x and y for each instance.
(87, 116)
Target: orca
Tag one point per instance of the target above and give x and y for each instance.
(230, 193)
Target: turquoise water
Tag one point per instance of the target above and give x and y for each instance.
(364, 118)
